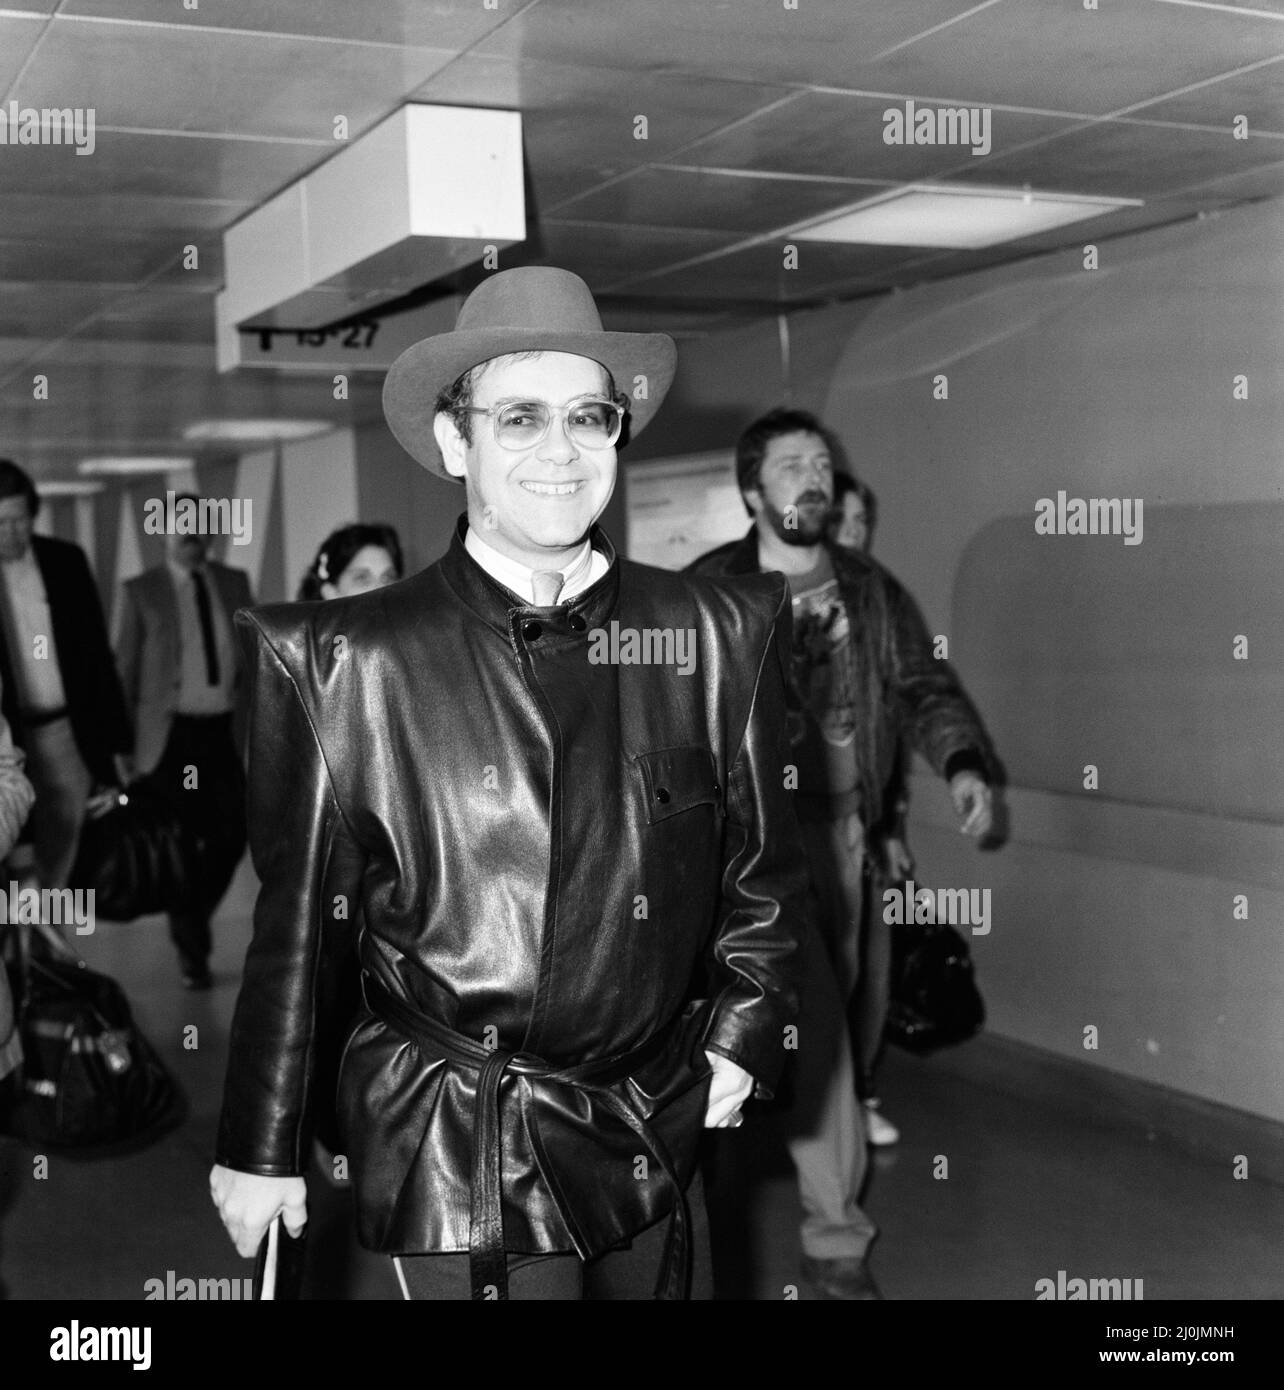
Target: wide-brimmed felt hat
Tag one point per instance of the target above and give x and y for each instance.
(531, 308)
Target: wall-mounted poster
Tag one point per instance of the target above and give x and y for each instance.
(680, 507)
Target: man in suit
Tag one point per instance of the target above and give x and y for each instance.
(62, 698)
(183, 676)
(545, 844)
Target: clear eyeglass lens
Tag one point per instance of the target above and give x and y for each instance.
(594, 424)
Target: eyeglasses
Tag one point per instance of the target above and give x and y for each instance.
(590, 421)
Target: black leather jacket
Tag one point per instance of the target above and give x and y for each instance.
(907, 690)
(544, 850)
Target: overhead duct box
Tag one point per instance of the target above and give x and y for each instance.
(425, 193)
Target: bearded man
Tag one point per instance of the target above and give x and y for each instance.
(864, 675)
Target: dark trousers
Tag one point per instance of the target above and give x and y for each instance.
(200, 773)
(629, 1273)
(868, 1007)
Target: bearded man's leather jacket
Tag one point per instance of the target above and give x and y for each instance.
(545, 850)
(904, 689)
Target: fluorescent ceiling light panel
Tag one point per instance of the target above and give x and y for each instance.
(955, 217)
(253, 431)
(119, 464)
(64, 488)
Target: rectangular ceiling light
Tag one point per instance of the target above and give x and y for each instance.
(955, 216)
(123, 465)
(253, 431)
(63, 488)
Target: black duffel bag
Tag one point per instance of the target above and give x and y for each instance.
(137, 858)
(89, 1084)
(934, 998)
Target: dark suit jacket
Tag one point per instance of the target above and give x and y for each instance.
(96, 704)
(149, 653)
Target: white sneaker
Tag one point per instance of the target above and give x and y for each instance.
(879, 1130)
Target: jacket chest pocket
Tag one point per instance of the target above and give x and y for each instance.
(678, 779)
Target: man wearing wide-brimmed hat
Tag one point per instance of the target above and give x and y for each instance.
(550, 835)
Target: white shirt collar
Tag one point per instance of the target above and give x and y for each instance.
(180, 572)
(576, 576)
(27, 561)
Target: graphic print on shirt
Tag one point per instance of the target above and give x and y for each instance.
(823, 662)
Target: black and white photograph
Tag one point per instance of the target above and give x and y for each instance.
(642, 658)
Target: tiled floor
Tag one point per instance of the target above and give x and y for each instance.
(1029, 1192)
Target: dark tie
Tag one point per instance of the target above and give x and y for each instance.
(546, 585)
(207, 627)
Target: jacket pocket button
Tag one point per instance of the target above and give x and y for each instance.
(531, 630)
(662, 795)
(576, 622)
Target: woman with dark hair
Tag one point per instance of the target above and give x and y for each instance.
(352, 560)
(851, 523)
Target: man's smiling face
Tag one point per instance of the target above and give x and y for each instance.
(533, 504)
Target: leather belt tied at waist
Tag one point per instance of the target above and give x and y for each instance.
(487, 1261)
(37, 718)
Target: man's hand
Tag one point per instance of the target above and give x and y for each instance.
(729, 1088)
(248, 1204)
(897, 860)
(102, 800)
(974, 803)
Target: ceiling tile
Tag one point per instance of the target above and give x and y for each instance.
(758, 274)
(621, 316)
(1264, 182)
(1259, 95)
(175, 78)
(709, 200)
(96, 255)
(159, 166)
(1127, 161)
(579, 124)
(603, 253)
(415, 23)
(173, 268)
(1234, 7)
(156, 314)
(818, 42)
(17, 39)
(843, 136)
(31, 215)
(39, 309)
(13, 353)
(1054, 54)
